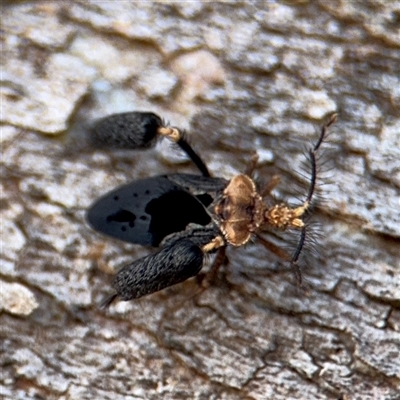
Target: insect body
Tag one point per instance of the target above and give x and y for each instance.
(187, 216)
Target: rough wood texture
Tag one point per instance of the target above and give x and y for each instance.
(239, 77)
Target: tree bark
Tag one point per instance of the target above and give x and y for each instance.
(239, 78)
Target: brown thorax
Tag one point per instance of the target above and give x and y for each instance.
(242, 212)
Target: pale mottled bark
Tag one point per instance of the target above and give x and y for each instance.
(238, 77)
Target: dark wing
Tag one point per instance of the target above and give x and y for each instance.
(146, 211)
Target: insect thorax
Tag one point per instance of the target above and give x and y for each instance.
(241, 212)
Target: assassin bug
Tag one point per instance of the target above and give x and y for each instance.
(187, 216)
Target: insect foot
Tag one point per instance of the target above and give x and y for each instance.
(186, 215)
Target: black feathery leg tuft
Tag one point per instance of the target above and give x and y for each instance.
(173, 264)
(139, 130)
(132, 130)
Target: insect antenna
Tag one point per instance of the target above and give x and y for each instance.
(303, 235)
(312, 152)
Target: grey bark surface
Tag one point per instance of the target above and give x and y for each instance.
(238, 77)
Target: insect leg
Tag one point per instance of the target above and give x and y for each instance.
(178, 137)
(267, 189)
(198, 162)
(139, 130)
(273, 248)
(216, 244)
(209, 277)
(173, 264)
(132, 130)
(252, 165)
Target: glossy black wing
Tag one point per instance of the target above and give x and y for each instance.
(147, 210)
